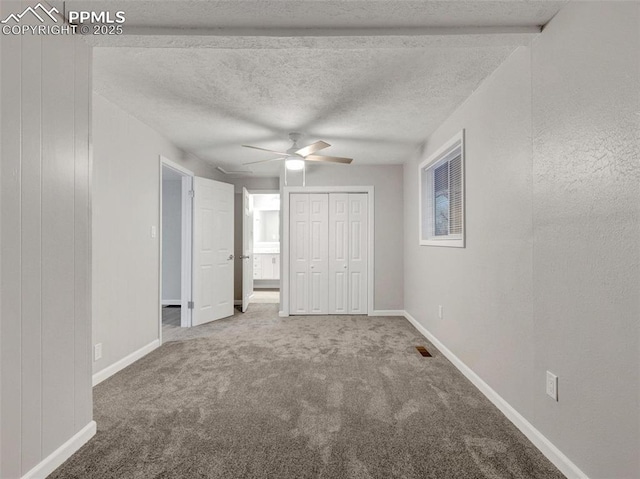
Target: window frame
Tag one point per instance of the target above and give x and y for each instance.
(430, 164)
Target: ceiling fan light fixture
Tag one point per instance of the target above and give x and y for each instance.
(294, 164)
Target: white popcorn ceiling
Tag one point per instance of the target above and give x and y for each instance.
(375, 97)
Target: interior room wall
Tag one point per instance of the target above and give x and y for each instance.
(45, 316)
(126, 204)
(387, 181)
(172, 240)
(550, 273)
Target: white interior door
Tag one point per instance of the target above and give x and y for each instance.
(319, 254)
(358, 253)
(299, 254)
(247, 249)
(212, 250)
(338, 253)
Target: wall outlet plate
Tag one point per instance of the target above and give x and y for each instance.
(97, 351)
(440, 311)
(552, 385)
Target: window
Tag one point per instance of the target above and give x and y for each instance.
(442, 196)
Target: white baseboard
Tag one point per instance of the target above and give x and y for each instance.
(237, 302)
(124, 362)
(282, 314)
(64, 452)
(562, 462)
(171, 302)
(387, 312)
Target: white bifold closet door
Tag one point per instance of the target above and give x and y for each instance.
(308, 254)
(328, 253)
(358, 253)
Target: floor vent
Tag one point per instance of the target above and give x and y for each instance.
(423, 351)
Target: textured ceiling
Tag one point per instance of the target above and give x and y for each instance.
(373, 97)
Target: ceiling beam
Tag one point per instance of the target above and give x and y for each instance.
(334, 38)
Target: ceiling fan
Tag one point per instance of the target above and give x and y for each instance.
(295, 157)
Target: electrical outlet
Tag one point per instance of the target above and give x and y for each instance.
(440, 311)
(154, 231)
(97, 351)
(552, 385)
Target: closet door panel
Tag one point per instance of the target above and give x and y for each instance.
(319, 254)
(338, 253)
(358, 253)
(299, 254)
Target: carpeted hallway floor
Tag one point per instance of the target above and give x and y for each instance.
(257, 396)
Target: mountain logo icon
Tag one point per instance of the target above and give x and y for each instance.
(39, 11)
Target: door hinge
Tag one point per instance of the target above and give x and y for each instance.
(190, 305)
(192, 193)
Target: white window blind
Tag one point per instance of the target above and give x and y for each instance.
(442, 196)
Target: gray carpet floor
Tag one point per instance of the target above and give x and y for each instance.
(257, 396)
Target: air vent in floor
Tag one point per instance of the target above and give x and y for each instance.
(423, 351)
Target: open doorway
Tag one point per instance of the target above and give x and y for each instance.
(266, 247)
(176, 251)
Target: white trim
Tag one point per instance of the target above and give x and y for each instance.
(262, 192)
(124, 362)
(388, 312)
(64, 452)
(186, 241)
(437, 157)
(237, 302)
(551, 452)
(171, 302)
(284, 258)
(179, 168)
(282, 314)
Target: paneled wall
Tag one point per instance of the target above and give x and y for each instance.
(45, 317)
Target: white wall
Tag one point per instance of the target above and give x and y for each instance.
(45, 319)
(171, 240)
(126, 203)
(388, 236)
(549, 279)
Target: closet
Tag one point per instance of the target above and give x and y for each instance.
(328, 250)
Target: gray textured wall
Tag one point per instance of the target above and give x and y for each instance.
(46, 241)
(126, 203)
(549, 279)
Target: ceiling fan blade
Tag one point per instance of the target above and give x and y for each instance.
(330, 159)
(312, 148)
(264, 149)
(264, 161)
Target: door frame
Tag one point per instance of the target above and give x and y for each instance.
(186, 243)
(284, 206)
(255, 191)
